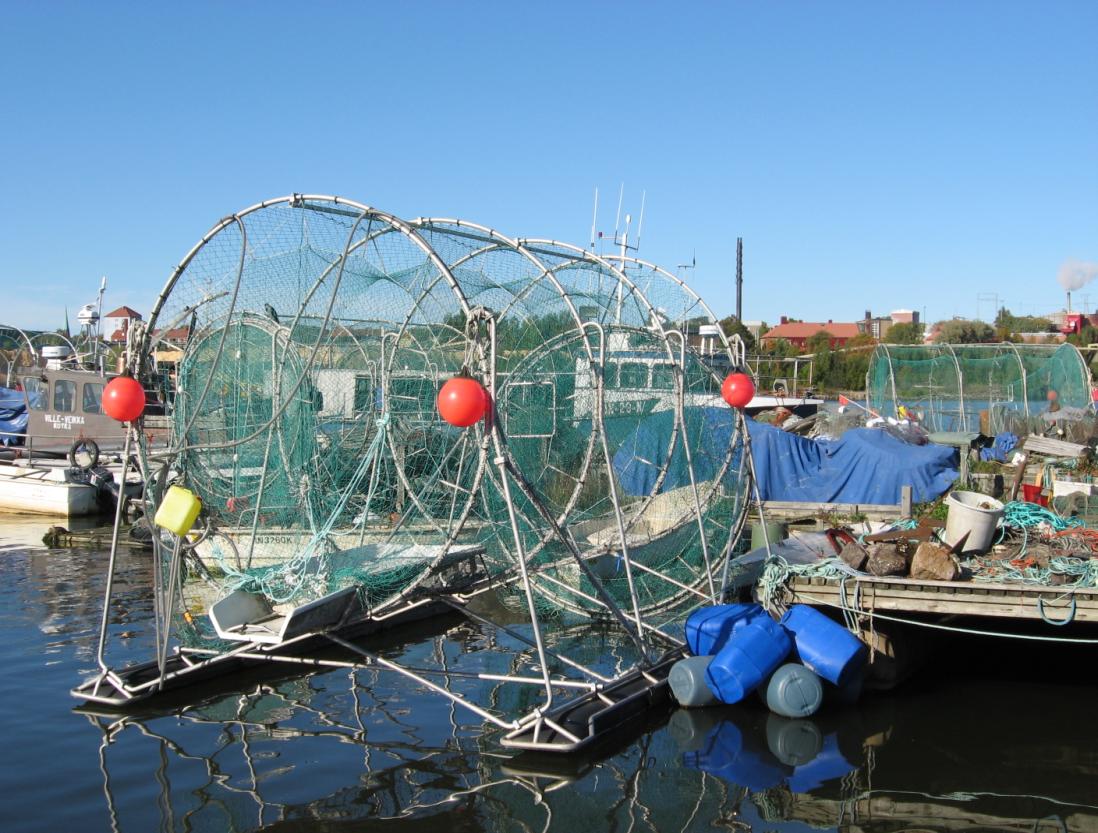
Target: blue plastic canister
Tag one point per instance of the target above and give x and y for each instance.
(794, 691)
(709, 628)
(747, 659)
(826, 647)
(687, 681)
(728, 755)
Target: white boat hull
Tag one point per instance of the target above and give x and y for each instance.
(45, 491)
(273, 547)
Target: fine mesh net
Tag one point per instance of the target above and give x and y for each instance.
(1016, 387)
(318, 333)
(304, 317)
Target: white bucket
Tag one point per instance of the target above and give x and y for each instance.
(974, 513)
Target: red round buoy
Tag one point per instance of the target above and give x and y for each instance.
(1053, 396)
(123, 399)
(738, 389)
(462, 401)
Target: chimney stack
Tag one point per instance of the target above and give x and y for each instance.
(1069, 300)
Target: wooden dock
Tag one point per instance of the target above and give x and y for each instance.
(957, 598)
(893, 595)
(790, 510)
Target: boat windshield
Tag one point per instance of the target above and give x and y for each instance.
(36, 392)
(93, 398)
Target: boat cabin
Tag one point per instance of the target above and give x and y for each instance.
(65, 409)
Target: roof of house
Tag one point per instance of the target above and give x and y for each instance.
(174, 334)
(123, 312)
(807, 329)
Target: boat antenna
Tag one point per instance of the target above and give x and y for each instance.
(640, 222)
(693, 264)
(99, 321)
(595, 218)
(617, 219)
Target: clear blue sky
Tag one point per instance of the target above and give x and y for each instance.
(871, 155)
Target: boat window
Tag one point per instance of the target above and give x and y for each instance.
(633, 375)
(37, 391)
(64, 393)
(93, 398)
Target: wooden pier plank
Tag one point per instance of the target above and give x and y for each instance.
(1000, 601)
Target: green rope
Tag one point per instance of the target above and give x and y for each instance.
(1021, 515)
(777, 572)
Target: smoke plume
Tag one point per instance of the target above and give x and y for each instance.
(1075, 274)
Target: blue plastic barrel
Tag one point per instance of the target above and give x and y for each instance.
(747, 659)
(794, 691)
(709, 628)
(687, 681)
(826, 647)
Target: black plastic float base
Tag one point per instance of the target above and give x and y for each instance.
(603, 716)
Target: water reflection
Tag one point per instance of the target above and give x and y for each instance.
(360, 750)
(900, 763)
(333, 751)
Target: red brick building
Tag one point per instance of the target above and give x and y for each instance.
(798, 333)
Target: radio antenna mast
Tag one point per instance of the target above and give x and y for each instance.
(99, 322)
(617, 219)
(595, 218)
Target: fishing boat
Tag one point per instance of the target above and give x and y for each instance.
(58, 449)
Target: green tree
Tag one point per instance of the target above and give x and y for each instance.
(905, 333)
(782, 348)
(819, 344)
(962, 331)
(1088, 335)
(1010, 323)
(855, 361)
(733, 326)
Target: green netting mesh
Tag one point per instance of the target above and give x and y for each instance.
(1011, 387)
(318, 335)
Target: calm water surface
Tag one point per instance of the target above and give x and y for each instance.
(1011, 745)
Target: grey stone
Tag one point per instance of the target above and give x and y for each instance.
(854, 556)
(886, 560)
(935, 562)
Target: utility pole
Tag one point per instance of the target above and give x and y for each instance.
(739, 279)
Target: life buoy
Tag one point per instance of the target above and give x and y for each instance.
(87, 448)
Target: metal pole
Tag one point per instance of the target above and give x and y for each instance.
(600, 395)
(739, 279)
(501, 464)
(680, 407)
(114, 553)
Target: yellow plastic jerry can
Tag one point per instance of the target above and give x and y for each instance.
(178, 510)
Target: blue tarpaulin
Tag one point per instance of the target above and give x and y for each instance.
(13, 415)
(866, 465)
